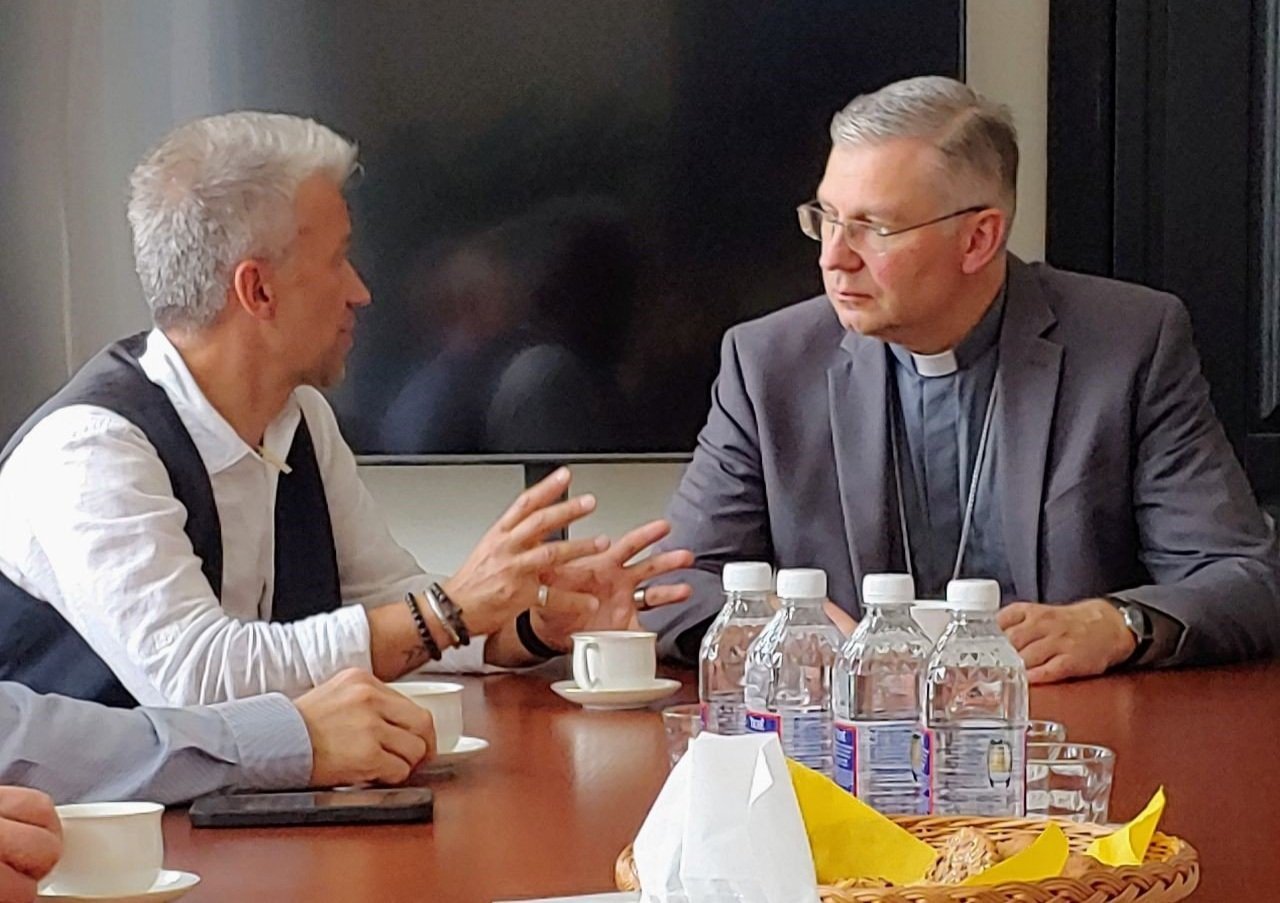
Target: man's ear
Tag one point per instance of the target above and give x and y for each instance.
(984, 239)
(252, 289)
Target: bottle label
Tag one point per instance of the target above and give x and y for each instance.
(980, 771)
(764, 723)
(806, 737)
(890, 765)
(844, 750)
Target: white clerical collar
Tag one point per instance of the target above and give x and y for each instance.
(941, 364)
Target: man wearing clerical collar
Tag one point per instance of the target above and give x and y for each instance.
(948, 410)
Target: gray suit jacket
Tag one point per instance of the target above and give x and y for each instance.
(1115, 475)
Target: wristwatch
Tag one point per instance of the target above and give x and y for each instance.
(1139, 624)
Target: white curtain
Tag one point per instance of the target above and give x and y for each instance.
(85, 88)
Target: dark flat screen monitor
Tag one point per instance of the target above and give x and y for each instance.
(567, 202)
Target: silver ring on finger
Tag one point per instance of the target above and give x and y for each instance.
(544, 593)
(639, 598)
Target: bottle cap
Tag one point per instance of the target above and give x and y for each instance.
(973, 595)
(802, 583)
(747, 577)
(880, 589)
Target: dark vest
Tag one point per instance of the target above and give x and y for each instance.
(37, 645)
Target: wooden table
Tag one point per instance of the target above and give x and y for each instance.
(547, 808)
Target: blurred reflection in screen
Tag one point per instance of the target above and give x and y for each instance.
(533, 315)
(567, 202)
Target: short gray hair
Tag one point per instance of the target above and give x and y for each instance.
(975, 136)
(216, 191)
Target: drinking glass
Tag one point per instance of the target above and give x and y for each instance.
(1046, 732)
(1069, 780)
(681, 723)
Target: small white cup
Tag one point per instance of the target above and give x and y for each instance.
(615, 659)
(108, 849)
(443, 701)
(932, 616)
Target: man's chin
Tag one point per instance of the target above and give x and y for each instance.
(327, 378)
(861, 323)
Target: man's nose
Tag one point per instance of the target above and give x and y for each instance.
(360, 296)
(836, 253)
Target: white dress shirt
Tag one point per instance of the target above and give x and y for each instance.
(91, 526)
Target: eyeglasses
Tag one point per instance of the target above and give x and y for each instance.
(860, 235)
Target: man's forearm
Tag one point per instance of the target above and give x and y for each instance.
(80, 751)
(395, 646)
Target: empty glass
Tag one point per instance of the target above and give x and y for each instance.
(1069, 780)
(681, 723)
(1046, 732)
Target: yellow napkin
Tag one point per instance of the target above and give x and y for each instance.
(849, 839)
(1045, 858)
(1128, 846)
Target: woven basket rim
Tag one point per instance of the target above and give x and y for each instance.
(1172, 862)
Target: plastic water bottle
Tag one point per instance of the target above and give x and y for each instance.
(722, 660)
(880, 748)
(789, 670)
(976, 709)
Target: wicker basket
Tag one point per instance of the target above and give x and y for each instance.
(1170, 872)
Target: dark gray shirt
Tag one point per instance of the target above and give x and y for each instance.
(940, 429)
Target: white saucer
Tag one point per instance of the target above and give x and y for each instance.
(612, 700)
(467, 748)
(170, 885)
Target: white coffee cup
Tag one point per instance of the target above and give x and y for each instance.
(932, 616)
(108, 849)
(443, 701)
(614, 659)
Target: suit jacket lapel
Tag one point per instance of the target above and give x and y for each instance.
(1030, 370)
(857, 387)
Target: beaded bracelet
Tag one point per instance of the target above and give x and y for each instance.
(428, 641)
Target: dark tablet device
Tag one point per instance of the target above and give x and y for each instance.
(321, 807)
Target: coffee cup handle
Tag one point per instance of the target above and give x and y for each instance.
(590, 663)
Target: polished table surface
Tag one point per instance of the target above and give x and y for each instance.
(545, 810)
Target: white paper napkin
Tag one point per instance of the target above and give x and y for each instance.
(726, 827)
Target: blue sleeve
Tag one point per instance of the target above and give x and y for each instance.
(79, 751)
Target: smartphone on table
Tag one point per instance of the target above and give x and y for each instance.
(313, 807)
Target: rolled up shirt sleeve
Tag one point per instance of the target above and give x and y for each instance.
(80, 751)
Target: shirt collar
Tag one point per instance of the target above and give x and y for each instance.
(981, 339)
(217, 442)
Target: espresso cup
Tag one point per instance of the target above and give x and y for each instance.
(443, 701)
(108, 849)
(614, 659)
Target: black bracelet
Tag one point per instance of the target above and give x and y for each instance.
(453, 614)
(428, 641)
(532, 644)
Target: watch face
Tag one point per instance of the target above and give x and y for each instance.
(1135, 618)
(1132, 619)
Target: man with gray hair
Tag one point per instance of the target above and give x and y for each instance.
(948, 410)
(183, 522)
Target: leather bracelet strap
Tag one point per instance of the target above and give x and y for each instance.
(429, 643)
(529, 640)
(433, 602)
(449, 614)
